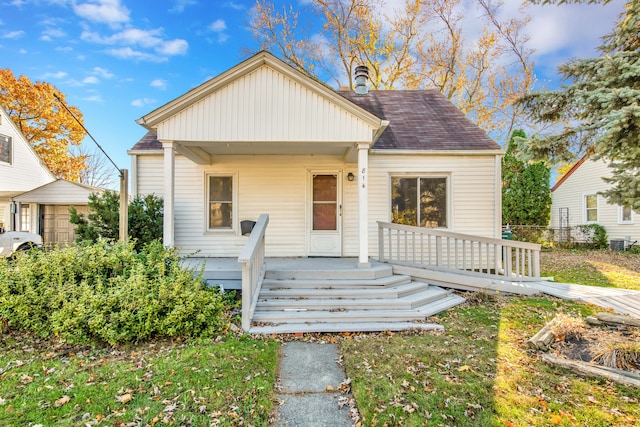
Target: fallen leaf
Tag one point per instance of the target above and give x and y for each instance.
(465, 368)
(124, 398)
(62, 401)
(556, 419)
(330, 388)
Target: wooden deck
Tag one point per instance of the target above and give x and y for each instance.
(334, 295)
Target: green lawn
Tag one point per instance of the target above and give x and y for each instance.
(195, 383)
(477, 372)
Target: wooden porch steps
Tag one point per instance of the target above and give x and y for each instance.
(346, 300)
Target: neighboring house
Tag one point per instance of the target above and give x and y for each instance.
(575, 201)
(52, 202)
(325, 165)
(31, 198)
(20, 170)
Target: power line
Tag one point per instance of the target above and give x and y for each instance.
(88, 133)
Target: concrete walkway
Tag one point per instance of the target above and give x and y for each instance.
(309, 382)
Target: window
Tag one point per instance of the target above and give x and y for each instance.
(591, 208)
(25, 217)
(220, 200)
(5, 149)
(625, 215)
(419, 201)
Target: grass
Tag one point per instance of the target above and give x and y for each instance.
(477, 372)
(196, 383)
(593, 268)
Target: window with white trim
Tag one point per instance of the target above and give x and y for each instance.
(590, 208)
(5, 149)
(420, 201)
(220, 195)
(625, 215)
(25, 217)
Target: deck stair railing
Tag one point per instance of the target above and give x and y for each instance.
(455, 252)
(253, 269)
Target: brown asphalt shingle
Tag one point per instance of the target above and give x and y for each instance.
(421, 120)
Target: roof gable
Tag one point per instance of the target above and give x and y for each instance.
(26, 169)
(262, 99)
(60, 191)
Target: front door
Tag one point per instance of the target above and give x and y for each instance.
(325, 237)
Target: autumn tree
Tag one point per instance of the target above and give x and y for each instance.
(418, 46)
(45, 124)
(526, 197)
(598, 111)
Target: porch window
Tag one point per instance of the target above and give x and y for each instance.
(591, 208)
(419, 201)
(220, 191)
(5, 149)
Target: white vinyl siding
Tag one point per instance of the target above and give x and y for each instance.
(25, 171)
(264, 105)
(587, 179)
(150, 176)
(277, 185)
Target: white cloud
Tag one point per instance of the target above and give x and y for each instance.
(64, 49)
(23, 51)
(128, 53)
(145, 39)
(94, 98)
(56, 75)
(141, 102)
(173, 47)
(52, 33)
(181, 4)
(91, 80)
(105, 74)
(159, 84)
(234, 6)
(109, 12)
(13, 35)
(218, 26)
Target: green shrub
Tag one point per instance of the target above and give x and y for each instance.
(595, 236)
(108, 293)
(103, 222)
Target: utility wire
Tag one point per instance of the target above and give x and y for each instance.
(88, 133)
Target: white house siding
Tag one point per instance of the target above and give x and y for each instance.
(279, 186)
(149, 177)
(264, 105)
(587, 179)
(25, 171)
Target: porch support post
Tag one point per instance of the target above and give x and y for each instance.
(169, 192)
(363, 205)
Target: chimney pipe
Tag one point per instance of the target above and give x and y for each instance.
(362, 75)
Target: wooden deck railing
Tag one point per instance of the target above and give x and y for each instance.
(253, 269)
(447, 251)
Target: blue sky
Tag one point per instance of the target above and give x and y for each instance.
(117, 60)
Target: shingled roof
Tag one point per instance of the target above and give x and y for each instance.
(148, 142)
(421, 120)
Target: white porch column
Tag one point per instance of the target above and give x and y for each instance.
(363, 205)
(169, 192)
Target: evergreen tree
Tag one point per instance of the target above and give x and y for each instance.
(526, 198)
(599, 111)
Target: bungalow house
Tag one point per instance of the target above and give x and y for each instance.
(31, 198)
(346, 176)
(575, 200)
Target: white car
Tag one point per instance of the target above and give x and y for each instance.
(12, 241)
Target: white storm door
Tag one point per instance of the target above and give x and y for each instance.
(325, 237)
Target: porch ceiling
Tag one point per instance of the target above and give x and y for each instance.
(205, 152)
